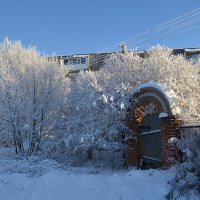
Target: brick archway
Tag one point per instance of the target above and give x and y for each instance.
(151, 99)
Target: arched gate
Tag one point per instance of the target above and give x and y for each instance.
(153, 121)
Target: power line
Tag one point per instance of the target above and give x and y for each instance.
(134, 37)
(164, 24)
(182, 25)
(160, 27)
(179, 26)
(174, 24)
(190, 29)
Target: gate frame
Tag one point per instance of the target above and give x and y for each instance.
(160, 100)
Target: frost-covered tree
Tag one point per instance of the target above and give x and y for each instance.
(31, 94)
(186, 181)
(174, 71)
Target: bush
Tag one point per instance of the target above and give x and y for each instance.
(187, 178)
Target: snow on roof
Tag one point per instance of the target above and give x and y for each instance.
(192, 50)
(169, 94)
(75, 56)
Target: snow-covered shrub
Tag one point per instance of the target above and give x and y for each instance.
(94, 116)
(186, 181)
(31, 94)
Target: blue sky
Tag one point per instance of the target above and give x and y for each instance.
(82, 26)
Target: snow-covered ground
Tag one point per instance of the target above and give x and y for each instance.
(38, 179)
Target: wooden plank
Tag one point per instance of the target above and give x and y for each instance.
(150, 132)
(150, 158)
(151, 144)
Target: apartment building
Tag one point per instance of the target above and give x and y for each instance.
(94, 61)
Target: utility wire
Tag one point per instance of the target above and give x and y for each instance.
(161, 31)
(174, 24)
(158, 28)
(176, 19)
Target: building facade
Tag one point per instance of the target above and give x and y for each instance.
(94, 61)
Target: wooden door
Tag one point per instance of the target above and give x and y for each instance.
(150, 141)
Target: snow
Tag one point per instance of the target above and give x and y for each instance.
(170, 95)
(192, 50)
(51, 181)
(26, 127)
(64, 184)
(111, 98)
(122, 106)
(173, 140)
(105, 99)
(191, 126)
(163, 115)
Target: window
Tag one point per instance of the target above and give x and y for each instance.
(74, 61)
(94, 62)
(66, 61)
(78, 61)
(70, 61)
(83, 60)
